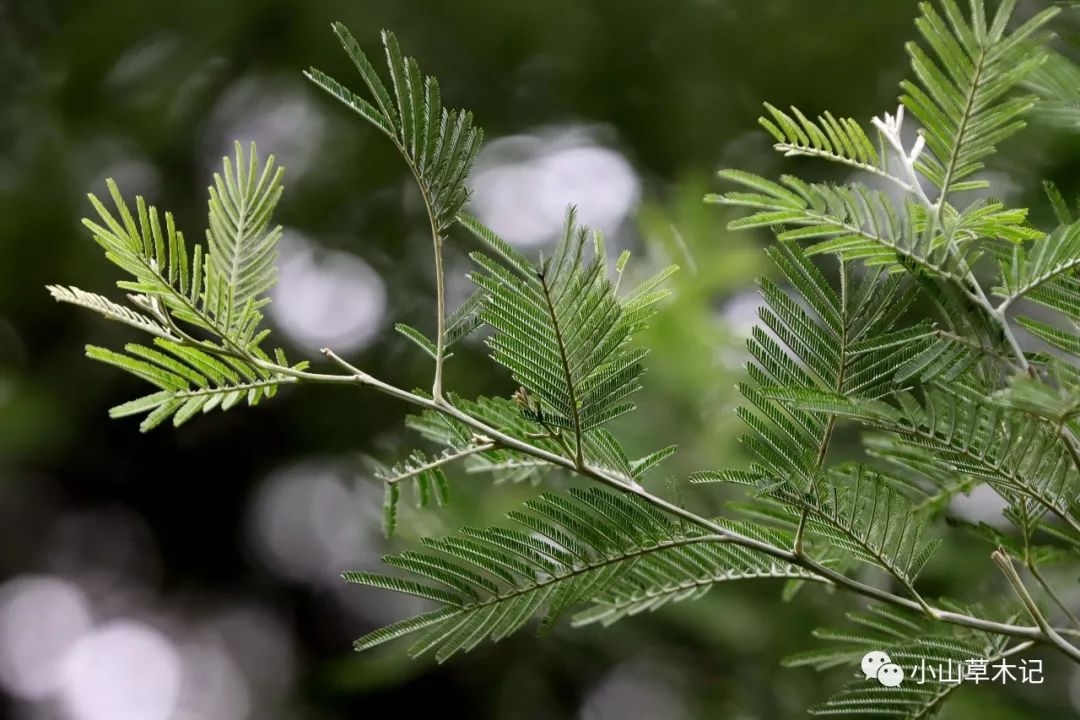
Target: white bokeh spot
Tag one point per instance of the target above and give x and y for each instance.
(125, 670)
(523, 184)
(326, 298)
(308, 525)
(41, 618)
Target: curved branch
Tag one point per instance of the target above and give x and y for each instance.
(358, 377)
(1049, 634)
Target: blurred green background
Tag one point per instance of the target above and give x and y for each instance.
(194, 573)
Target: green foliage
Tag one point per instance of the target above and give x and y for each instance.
(241, 245)
(951, 434)
(1042, 272)
(946, 405)
(843, 141)
(915, 644)
(613, 551)
(964, 73)
(203, 309)
(563, 332)
(851, 509)
(844, 345)
(1057, 83)
(439, 144)
(856, 222)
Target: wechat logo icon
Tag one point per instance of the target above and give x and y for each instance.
(878, 665)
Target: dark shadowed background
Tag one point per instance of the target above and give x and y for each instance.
(192, 574)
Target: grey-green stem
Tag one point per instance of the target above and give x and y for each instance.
(357, 377)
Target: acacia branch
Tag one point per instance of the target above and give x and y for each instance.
(440, 286)
(1049, 634)
(356, 376)
(790, 150)
(439, 462)
(626, 484)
